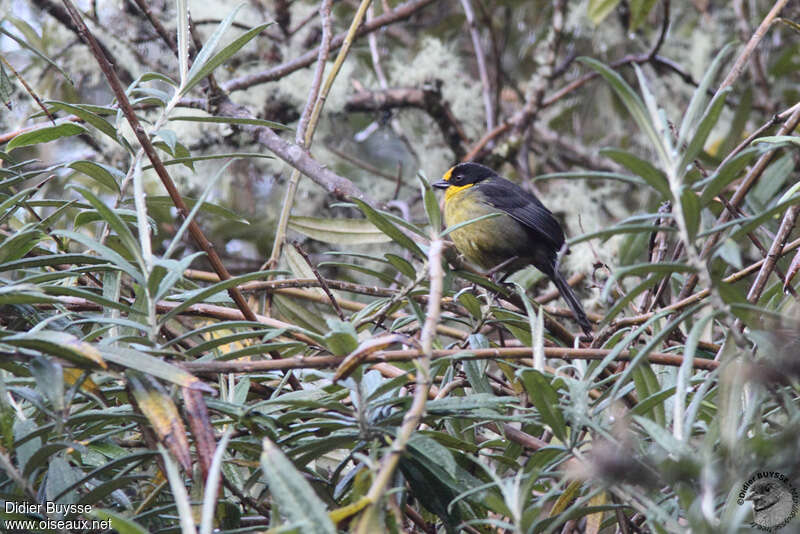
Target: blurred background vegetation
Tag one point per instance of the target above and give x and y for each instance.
(371, 381)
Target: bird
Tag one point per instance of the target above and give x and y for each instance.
(525, 233)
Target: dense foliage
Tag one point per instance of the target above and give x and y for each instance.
(227, 299)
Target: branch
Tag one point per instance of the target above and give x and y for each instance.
(401, 12)
(338, 186)
(738, 66)
(428, 98)
(385, 356)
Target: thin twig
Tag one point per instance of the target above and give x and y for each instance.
(741, 61)
(481, 60)
(321, 280)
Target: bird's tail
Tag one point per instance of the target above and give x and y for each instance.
(572, 301)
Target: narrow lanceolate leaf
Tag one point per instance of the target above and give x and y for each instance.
(161, 412)
(545, 398)
(45, 135)
(725, 175)
(700, 96)
(294, 496)
(654, 177)
(339, 231)
(59, 344)
(691, 212)
(389, 228)
(119, 523)
(644, 268)
(233, 120)
(6, 88)
(639, 11)
(150, 365)
(88, 116)
(599, 9)
(112, 218)
(707, 122)
(633, 103)
(100, 172)
(204, 64)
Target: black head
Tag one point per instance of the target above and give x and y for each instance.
(465, 174)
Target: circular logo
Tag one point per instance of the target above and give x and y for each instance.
(774, 500)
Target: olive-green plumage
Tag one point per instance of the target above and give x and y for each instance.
(525, 233)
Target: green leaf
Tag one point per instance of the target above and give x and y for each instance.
(232, 120)
(778, 140)
(202, 294)
(107, 253)
(707, 122)
(23, 43)
(113, 219)
(700, 95)
(545, 398)
(599, 9)
(431, 203)
(160, 202)
(654, 177)
(204, 64)
(87, 115)
(342, 338)
(119, 523)
(152, 366)
(103, 174)
(339, 231)
(294, 496)
(59, 344)
(387, 227)
(590, 175)
(646, 384)
(19, 244)
(45, 135)
(618, 230)
(725, 175)
(192, 159)
(632, 103)
(690, 205)
(639, 11)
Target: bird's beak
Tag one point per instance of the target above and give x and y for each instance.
(441, 184)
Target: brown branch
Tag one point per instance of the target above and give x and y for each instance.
(776, 250)
(507, 353)
(162, 32)
(321, 280)
(428, 98)
(741, 61)
(338, 186)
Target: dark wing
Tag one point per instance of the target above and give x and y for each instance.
(525, 208)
